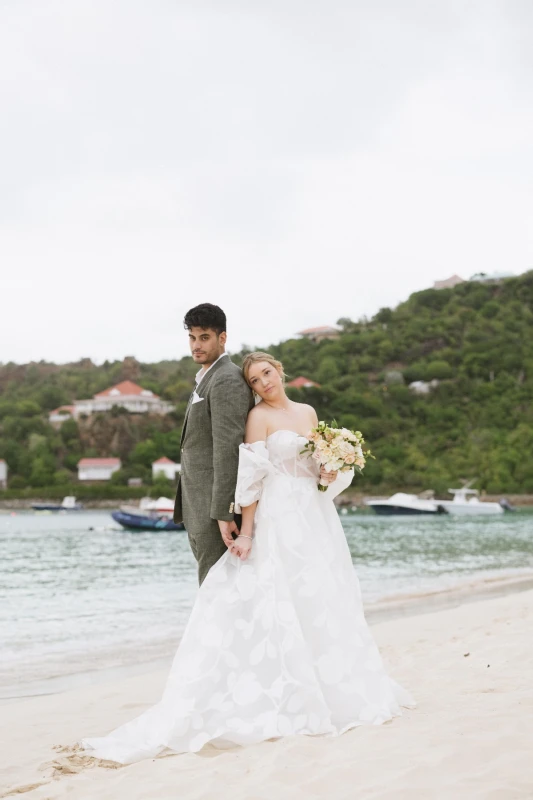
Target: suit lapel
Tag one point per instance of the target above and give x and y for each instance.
(189, 404)
(202, 387)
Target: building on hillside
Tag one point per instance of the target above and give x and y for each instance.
(97, 469)
(126, 395)
(393, 376)
(423, 387)
(448, 283)
(3, 474)
(59, 415)
(302, 383)
(320, 333)
(164, 466)
(493, 277)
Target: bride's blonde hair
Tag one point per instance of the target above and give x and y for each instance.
(256, 358)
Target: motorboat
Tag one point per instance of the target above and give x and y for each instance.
(146, 522)
(68, 504)
(149, 515)
(402, 503)
(466, 502)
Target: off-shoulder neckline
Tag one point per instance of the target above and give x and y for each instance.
(285, 430)
(281, 430)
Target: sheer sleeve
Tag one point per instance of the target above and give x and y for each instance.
(254, 466)
(342, 481)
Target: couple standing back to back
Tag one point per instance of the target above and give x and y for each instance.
(277, 642)
(215, 425)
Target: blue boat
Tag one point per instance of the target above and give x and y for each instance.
(146, 522)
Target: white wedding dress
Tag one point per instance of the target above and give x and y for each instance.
(276, 645)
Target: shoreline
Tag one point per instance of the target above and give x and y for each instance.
(397, 607)
(470, 735)
(7, 506)
(356, 497)
(350, 497)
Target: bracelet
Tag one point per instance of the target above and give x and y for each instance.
(245, 537)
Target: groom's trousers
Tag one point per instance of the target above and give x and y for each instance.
(206, 544)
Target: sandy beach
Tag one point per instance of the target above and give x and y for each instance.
(471, 735)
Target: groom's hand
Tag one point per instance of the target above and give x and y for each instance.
(226, 529)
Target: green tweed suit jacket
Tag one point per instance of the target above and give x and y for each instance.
(212, 431)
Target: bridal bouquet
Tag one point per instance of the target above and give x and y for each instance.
(336, 449)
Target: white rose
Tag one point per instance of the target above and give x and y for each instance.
(345, 449)
(349, 435)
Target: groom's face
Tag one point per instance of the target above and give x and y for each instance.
(206, 345)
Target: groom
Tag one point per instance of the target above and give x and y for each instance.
(213, 429)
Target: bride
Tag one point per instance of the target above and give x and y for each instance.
(277, 643)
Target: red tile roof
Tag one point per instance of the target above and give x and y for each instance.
(448, 282)
(99, 462)
(164, 460)
(125, 388)
(68, 409)
(320, 329)
(301, 381)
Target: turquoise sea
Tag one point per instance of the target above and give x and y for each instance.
(80, 598)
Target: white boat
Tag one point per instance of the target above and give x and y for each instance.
(402, 503)
(466, 502)
(161, 506)
(69, 504)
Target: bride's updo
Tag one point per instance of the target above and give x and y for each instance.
(256, 358)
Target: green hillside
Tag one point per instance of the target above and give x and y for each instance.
(476, 340)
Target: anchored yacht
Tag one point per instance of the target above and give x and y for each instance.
(466, 501)
(402, 503)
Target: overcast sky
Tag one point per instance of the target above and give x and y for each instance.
(294, 161)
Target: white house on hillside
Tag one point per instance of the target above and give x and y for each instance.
(448, 283)
(493, 277)
(3, 474)
(97, 469)
(127, 395)
(320, 333)
(164, 466)
(423, 387)
(59, 415)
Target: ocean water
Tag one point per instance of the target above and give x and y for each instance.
(79, 596)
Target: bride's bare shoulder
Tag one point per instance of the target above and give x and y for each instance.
(308, 411)
(256, 424)
(259, 411)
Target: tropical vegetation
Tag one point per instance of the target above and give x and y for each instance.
(472, 346)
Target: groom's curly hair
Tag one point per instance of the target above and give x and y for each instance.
(206, 315)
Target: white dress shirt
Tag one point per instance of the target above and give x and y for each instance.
(201, 373)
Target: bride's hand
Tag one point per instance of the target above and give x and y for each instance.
(241, 547)
(327, 477)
